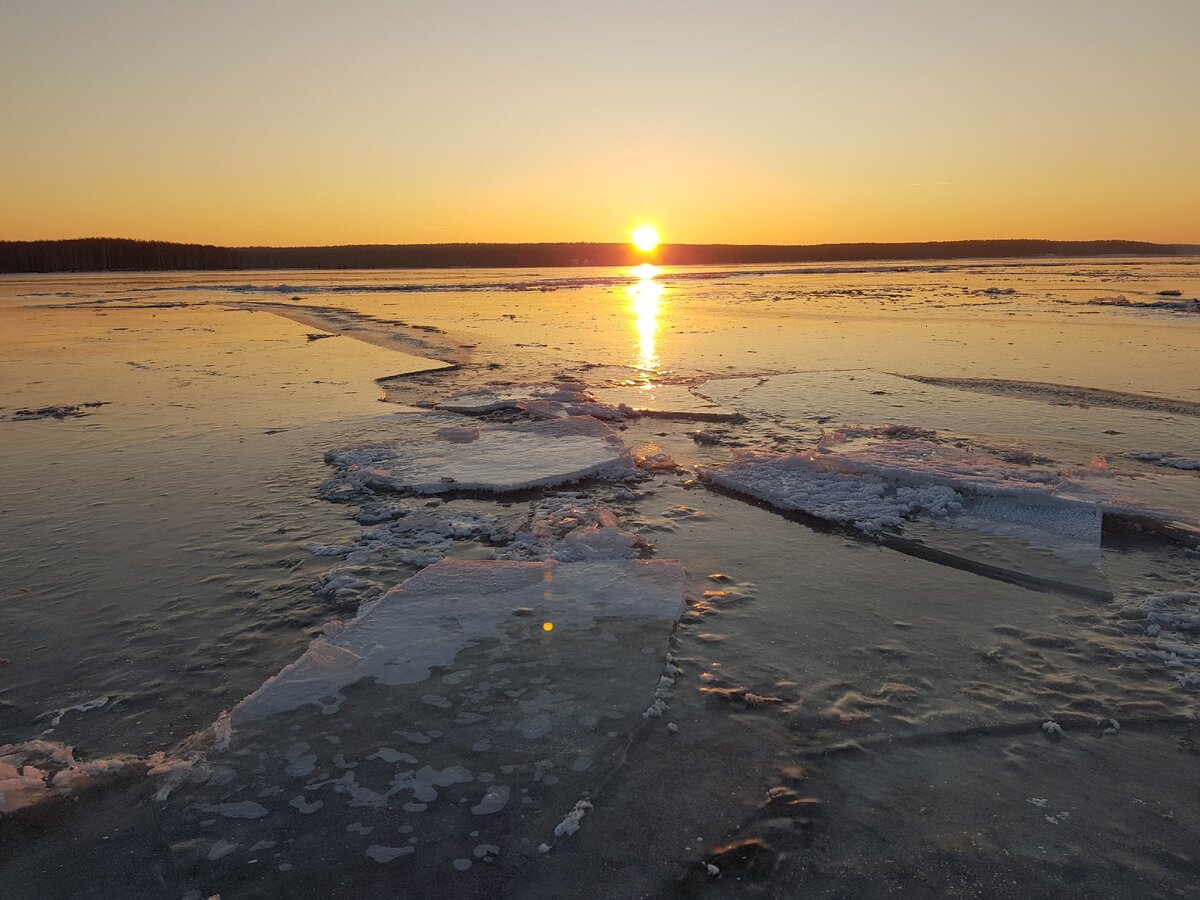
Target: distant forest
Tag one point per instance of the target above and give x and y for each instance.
(120, 254)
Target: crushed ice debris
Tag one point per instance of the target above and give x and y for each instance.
(1110, 726)
(756, 701)
(1166, 459)
(417, 537)
(570, 823)
(501, 459)
(1052, 728)
(60, 411)
(1181, 306)
(1039, 801)
(570, 527)
(712, 870)
(425, 621)
(543, 848)
(96, 703)
(34, 772)
(651, 458)
(1173, 619)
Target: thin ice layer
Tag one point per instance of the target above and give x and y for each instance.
(665, 400)
(546, 401)
(501, 458)
(1067, 427)
(451, 605)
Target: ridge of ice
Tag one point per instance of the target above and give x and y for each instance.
(572, 528)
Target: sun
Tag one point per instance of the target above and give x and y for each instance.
(645, 238)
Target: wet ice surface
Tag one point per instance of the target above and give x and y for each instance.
(446, 722)
(940, 630)
(497, 459)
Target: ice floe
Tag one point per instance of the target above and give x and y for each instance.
(501, 458)
(515, 687)
(450, 605)
(881, 487)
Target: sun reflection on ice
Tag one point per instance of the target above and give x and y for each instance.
(646, 294)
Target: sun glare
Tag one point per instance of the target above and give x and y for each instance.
(645, 238)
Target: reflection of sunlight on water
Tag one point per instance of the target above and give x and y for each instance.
(646, 294)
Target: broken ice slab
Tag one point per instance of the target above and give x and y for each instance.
(1031, 526)
(449, 606)
(666, 401)
(477, 704)
(496, 458)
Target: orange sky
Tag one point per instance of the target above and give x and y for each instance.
(800, 122)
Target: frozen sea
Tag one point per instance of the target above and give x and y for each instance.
(838, 580)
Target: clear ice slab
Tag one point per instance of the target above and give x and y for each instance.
(442, 736)
(993, 517)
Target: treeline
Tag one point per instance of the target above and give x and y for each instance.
(110, 255)
(120, 254)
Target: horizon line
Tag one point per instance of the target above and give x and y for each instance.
(608, 243)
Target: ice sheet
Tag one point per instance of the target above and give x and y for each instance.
(488, 699)
(500, 458)
(1067, 423)
(426, 621)
(881, 486)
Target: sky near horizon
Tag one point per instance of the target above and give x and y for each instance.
(302, 122)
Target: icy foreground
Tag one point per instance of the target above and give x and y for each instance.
(498, 459)
(449, 606)
(478, 704)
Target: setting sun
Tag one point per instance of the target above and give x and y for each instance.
(645, 238)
